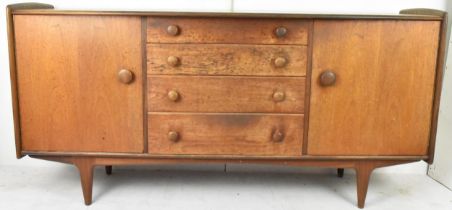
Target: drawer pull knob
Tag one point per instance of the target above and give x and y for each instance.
(125, 76)
(280, 62)
(173, 61)
(327, 78)
(279, 96)
(280, 31)
(278, 136)
(173, 30)
(173, 95)
(173, 136)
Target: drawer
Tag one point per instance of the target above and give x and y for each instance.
(226, 59)
(225, 134)
(227, 30)
(226, 94)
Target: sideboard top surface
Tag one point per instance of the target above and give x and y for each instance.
(227, 14)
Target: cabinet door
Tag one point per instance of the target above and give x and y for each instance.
(70, 98)
(381, 102)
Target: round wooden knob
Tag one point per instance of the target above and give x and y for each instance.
(327, 78)
(173, 136)
(280, 62)
(173, 95)
(280, 31)
(125, 76)
(173, 61)
(173, 30)
(278, 136)
(278, 96)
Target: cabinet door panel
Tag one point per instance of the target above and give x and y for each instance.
(70, 98)
(381, 103)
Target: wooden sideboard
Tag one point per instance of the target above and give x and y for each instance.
(126, 88)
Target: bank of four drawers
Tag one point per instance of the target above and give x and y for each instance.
(216, 88)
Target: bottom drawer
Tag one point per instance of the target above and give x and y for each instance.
(225, 134)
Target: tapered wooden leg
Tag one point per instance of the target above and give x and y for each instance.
(340, 172)
(85, 167)
(363, 172)
(108, 170)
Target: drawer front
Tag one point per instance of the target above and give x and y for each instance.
(227, 30)
(225, 134)
(226, 94)
(224, 59)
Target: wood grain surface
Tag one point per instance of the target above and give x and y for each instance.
(381, 103)
(226, 94)
(70, 97)
(227, 59)
(225, 134)
(227, 30)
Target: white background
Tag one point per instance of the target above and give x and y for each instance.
(441, 169)
(7, 148)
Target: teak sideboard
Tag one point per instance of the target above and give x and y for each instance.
(125, 88)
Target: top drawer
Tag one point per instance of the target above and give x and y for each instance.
(227, 30)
